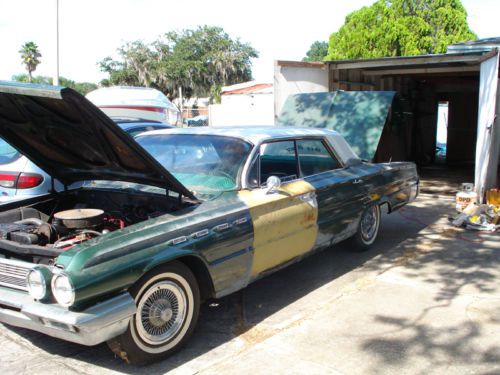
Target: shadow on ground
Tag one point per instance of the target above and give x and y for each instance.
(224, 319)
(460, 266)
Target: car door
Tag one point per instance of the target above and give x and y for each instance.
(284, 220)
(340, 192)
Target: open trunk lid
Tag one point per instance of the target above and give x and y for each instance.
(359, 116)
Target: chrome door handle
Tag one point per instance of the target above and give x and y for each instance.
(309, 198)
(357, 181)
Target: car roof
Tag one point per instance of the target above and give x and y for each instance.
(132, 125)
(253, 134)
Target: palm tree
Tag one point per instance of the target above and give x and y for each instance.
(30, 56)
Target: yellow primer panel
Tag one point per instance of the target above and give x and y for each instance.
(284, 226)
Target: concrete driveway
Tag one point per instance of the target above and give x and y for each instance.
(425, 299)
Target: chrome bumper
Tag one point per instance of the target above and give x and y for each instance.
(93, 326)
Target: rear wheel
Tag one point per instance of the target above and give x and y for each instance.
(368, 227)
(168, 303)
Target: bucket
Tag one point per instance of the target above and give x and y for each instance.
(464, 198)
(493, 197)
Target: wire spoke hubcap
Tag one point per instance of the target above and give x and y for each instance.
(161, 312)
(369, 223)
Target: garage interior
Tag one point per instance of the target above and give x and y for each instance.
(431, 90)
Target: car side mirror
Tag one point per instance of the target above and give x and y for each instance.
(273, 183)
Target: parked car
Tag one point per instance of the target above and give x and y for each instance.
(135, 126)
(197, 121)
(21, 178)
(180, 216)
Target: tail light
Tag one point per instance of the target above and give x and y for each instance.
(8, 180)
(20, 180)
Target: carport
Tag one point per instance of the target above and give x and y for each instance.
(463, 81)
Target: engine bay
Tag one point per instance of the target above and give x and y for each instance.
(39, 232)
(65, 230)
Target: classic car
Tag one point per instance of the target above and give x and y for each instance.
(168, 221)
(135, 126)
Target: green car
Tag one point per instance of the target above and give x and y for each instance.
(169, 220)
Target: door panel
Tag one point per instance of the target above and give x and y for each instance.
(341, 197)
(285, 223)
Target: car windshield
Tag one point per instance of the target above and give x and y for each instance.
(202, 163)
(7, 153)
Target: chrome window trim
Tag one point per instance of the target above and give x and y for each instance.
(256, 153)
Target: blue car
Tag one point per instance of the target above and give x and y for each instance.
(21, 178)
(137, 126)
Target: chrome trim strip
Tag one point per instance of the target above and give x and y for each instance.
(221, 227)
(231, 256)
(200, 233)
(178, 240)
(240, 221)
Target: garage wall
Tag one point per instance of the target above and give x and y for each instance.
(410, 133)
(462, 127)
(297, 77)
(243, 110)
(424, 113)
(487, 147)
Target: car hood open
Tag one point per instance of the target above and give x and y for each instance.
(359, 116)
(73, 140)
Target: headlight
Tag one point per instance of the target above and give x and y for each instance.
(37, 286)
(63, 290)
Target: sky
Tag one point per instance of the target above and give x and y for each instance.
(90, 30)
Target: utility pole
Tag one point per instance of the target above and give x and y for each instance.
(55, 80)
(181, 106)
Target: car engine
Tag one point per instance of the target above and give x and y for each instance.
(40, 232)
(67, 229)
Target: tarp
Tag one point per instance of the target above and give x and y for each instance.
(359, 116)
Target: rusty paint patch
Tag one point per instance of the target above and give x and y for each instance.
(285, 226)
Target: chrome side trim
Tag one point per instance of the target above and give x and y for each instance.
(240, 221)
(177, 240)
(201, 233)
(221, 227)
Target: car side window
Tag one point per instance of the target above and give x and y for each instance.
(8, 154)
(314, 157)
(278, 159)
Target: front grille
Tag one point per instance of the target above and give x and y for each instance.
(13, 273)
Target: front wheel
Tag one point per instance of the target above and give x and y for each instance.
(368, 227)
(168, 302)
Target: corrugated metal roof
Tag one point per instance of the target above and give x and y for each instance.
(247, 88)
(437, 60)
(480, 45)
